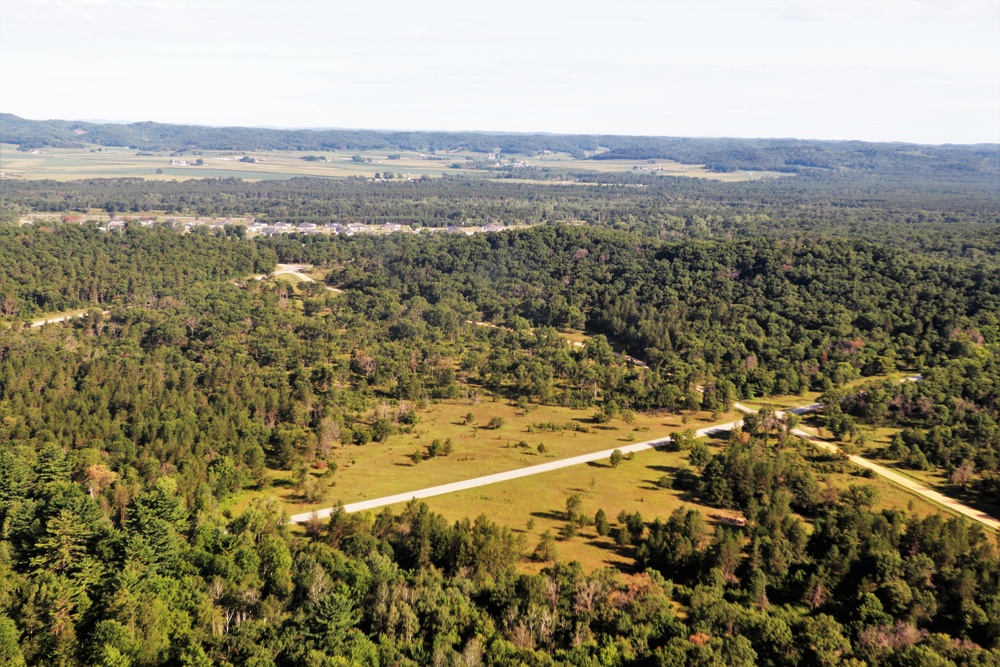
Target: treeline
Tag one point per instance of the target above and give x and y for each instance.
(90, 578)
(940, 218)
(70, 266)
(765, 316)
(718, 154)
(798, 156)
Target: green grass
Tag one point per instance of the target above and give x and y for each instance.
(631, 487)
(532, 505)
(381, 469)
(541, 500)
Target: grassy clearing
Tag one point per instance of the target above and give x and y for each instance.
(289, 278)
(381, 469)
(532, 505)
(935, 479)
(788, 401)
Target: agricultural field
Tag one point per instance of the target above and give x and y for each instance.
(65, 164)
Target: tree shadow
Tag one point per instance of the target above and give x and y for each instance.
(627, 553)
(552, 515)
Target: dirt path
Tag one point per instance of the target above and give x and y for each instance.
(60, 318)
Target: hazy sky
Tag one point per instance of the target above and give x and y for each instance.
(907, 70)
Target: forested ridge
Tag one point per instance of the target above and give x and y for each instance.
(726, 154)
(122, 435)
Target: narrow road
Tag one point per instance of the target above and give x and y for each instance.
(906, 483)
(604, 455)
(61, 318)
(891, 475)
(297, 271)
(429, 492)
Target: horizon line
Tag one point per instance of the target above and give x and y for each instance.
(497, 132)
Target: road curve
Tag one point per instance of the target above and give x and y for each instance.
(464, 485)
(429, 492)
(295, 270)
(891, 475)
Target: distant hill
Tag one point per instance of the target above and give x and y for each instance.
(788, 155)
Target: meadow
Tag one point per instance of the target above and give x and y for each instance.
(381, 469)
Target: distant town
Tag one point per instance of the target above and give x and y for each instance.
(254, 228)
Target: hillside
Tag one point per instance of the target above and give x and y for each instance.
(720, 154)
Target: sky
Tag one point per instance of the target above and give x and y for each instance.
(923, 71)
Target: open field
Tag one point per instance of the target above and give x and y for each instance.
(539, 502)
(532, 505)
(381, 469)
(75, 163)
(660, 167)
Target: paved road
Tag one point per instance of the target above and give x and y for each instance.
(61, 318)
(603, 455)
(891, 475)
(297, 271)
(429, 492)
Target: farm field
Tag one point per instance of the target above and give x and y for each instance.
(64, 164)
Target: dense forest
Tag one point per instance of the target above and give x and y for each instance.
(123, 434)
(718, 154)
(930, 217)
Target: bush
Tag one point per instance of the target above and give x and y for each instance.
(700, 455)
(546, 548)
(601, 523)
